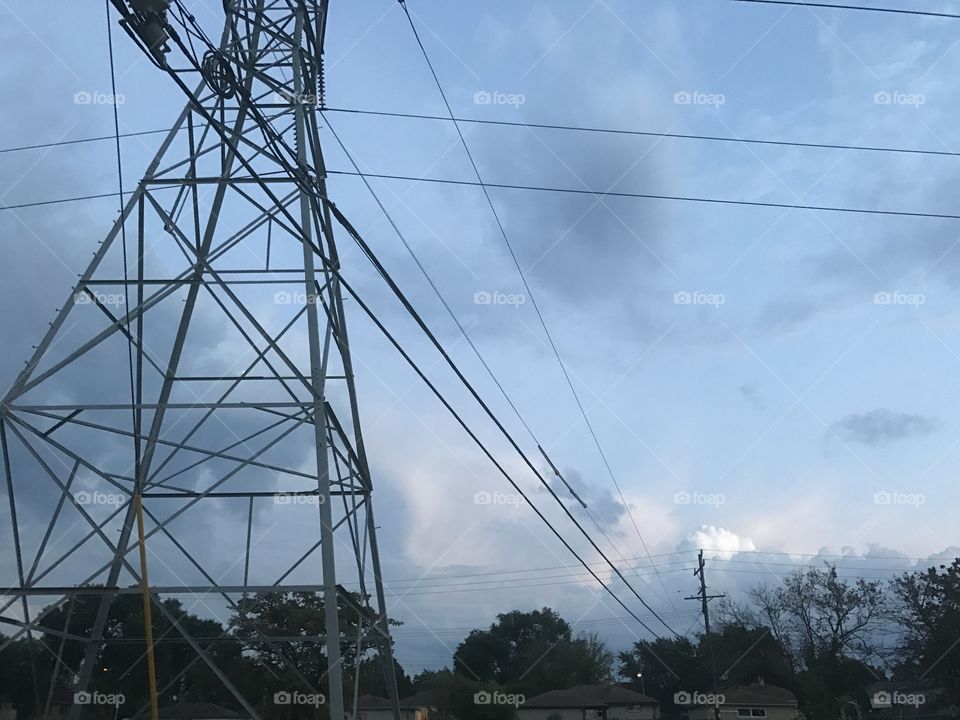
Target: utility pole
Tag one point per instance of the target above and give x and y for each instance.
(705, 608)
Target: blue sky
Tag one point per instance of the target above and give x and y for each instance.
(795, 413)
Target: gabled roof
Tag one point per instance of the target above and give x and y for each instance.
(372, 702)
(759, 694)
(589, 696)
(423, 699)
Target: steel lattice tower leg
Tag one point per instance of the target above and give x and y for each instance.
(228, 235)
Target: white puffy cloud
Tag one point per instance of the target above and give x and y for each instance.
(716, 542)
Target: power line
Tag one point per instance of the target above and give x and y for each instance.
(532, 570)
(804, 567)
(472, 580)
(79, 198)
(515, 586)
(396, 583)
(828, 555)
(580, 578)
(548, 126)
(58, 201)
(865, 8)
(646, 133)
(79, 141)
(653, 196)
(486, 366)
(466, 383)
(580, 624)
(547, 188)
(536, 307)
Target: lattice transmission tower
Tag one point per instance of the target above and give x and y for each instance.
(196, 389)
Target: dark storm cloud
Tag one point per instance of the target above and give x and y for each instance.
(751, 394)
(605, 508)
(45, 249)
(781, 317)
(881, 427)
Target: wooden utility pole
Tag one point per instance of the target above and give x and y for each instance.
(707, 638)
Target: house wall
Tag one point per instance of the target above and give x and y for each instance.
(386, 714)
(729, 712)
(543, 713)
(643, 712)
(634, 712)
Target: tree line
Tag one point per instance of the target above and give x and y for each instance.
(821, 635)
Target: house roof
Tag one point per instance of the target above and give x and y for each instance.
(194, 711)
(372, 702)
(422, 699)
(589, 696)
(759, 694)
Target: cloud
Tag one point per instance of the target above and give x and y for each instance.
(750, 392)
(716, 542)
(779, 317)
(882, 427)
(605, 508)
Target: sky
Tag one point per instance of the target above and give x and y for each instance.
(771, 385)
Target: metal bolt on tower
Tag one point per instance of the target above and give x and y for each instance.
(200, 369)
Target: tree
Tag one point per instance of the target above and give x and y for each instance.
(532, 652)
(427, 679)
(285, 665)
(927, 607)
(829, 628)
(668, 665)
(820, 617)
(458, 698)
(20, 674)
(121, 665)
(743, 653)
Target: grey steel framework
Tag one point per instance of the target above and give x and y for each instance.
(201, 366)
